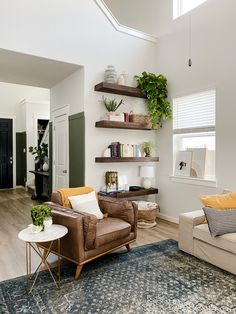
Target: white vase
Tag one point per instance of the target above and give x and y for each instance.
(35, 229)
(47, 222)
(122, 80)
(45, 167)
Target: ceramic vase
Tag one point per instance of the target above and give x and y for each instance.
(35, 229)
(110, 75)
(122, 80)
(47, 222)
(45, 167)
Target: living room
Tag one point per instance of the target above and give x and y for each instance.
(193, 47)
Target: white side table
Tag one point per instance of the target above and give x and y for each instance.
(52, 234)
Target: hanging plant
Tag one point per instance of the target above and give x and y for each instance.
(155, 89)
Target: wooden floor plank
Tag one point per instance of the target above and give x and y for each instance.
(15, 208)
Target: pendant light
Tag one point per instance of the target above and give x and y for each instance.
(190, 41)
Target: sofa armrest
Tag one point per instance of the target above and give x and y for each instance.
(72, 244)
(89, 223)
(187, 222)
(119, 208)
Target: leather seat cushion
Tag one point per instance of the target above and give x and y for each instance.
(111, 229)
(225, 242)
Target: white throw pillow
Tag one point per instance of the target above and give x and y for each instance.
(86, 203)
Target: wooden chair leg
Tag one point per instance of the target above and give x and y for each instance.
(128, 247)
(78, 271)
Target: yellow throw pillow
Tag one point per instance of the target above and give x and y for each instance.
(220, 201)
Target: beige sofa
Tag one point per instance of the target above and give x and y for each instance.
(195, 239)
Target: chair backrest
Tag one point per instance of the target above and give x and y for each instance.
(61, 196)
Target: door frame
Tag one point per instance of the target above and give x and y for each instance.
(65, 110)
(13, 118)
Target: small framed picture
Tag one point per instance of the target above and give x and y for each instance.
(198, 167)
(183, 162)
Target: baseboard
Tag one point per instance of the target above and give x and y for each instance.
(168, 218)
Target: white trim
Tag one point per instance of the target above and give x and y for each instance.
(25, 101)
(194, 181)
(13, 118)
(65, 110)
(60, 111)
(122, 28)
(168, 218)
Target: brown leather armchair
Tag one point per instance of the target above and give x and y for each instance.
(88, 237)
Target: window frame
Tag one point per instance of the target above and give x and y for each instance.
(178, 8)
(209, 181)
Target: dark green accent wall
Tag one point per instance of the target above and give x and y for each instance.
(50, 159)
(77, 150)
(20, 158)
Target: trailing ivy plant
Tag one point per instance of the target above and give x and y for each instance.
(39, 213)
(155, 89)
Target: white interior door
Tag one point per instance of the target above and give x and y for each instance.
(60, 149)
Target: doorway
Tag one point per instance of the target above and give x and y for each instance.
(6, 154)
(61, 148)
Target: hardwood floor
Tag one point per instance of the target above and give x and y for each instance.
(15, 208)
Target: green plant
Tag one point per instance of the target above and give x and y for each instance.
(147, 148)
(40, 152)
(39, 213)
(111, 104)
(155, 89)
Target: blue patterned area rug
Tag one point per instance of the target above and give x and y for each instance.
(155, 278)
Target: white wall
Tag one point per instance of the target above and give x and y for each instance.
(11, 96)
(214, 66)
(70, 92)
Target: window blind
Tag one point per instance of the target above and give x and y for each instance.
(194, 113)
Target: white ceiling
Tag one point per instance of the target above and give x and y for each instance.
(19, 68)
(152, 17)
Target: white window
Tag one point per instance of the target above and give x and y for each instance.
(194, 130)
(181, 7)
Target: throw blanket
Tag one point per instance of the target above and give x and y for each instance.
(73, 192)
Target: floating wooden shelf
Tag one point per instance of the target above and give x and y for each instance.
(126, 194)
(119, 89)
(126, 159)
(122, 125)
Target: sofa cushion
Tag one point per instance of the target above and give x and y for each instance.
(225, 242)
(111, 229)
(220, 222)
(117, 208)
(86, 203)
(219, 201)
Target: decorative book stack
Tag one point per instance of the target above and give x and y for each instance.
(124, 150)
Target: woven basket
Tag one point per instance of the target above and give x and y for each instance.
(147, 214)
(139, 118)
(146, 225)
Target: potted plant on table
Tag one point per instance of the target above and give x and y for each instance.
(41, 217)
(155, 89)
